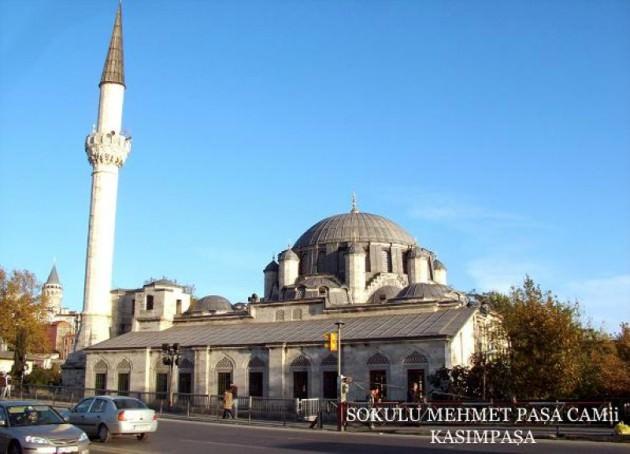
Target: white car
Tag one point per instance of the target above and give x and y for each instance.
(107, 416)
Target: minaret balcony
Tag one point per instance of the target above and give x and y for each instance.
(107, 148)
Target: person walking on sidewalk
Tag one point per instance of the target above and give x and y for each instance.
(228, 402)
(3, 385)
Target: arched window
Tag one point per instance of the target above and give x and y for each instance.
(321, 262)
(303, 264)
(297, 314)
(341, 263)
(368, 262)
(387, 260)
(224, 374)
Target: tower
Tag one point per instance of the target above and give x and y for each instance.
(107, 149)
(53, 292)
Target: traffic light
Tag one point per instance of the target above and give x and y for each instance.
(331, 341)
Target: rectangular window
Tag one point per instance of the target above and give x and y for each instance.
(330, 384)
(300, 385)
(280, 316)
(378, 379)
(256, 384)
(161, 386)
(123, 384)
(100, 384)
(184, 385)
(224, 381)
(178, 307)
(149, 305)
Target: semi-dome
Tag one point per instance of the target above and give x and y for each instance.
(212, 303)
(354, 227)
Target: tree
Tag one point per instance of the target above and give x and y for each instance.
(544, 341)
(22, 315)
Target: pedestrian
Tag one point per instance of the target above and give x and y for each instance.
(228, 402)
(9, 386)
(234, 389)
(3, 386)
(372, 401)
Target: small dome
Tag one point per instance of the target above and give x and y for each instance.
(272, 266)
(438, 265)
(289, 255)
(212, 303)
(426, 291)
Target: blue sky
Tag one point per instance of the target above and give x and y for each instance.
(497, 133)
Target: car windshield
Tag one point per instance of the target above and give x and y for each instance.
(33, 415)
(128, 404)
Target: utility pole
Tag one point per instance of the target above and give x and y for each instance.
(341, 404)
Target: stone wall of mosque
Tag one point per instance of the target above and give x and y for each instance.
(279, 371)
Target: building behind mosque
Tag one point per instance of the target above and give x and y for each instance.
(401, 319)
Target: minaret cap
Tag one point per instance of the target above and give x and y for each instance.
(53, 277)
(114, 69)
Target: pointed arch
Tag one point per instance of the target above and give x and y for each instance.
(124, 365)
(225, 364)
(330, 360)
(301, 361)
(415, 357)
(185, 363)
(101, 367)
(256, 362)
(377, 359)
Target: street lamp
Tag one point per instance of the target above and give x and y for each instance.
(170, 358)
(339, 378)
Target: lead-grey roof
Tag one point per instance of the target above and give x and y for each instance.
(444, 322)
(211, 303)
(357, 227)
(114, 68)
(431, 291)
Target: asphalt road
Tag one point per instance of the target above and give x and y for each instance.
(200, 437)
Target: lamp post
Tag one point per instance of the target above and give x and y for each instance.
(339, 378)
(170, 358)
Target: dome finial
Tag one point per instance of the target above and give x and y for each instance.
(354, 209)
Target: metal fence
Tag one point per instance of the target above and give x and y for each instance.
(306, 410)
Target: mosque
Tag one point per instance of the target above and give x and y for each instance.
(401, 321)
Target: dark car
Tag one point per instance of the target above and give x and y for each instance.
(29, 427)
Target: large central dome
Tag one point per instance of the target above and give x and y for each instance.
(354, 226)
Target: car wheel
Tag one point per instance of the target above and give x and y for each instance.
(103, 434)
(15, 448)
(142, 437)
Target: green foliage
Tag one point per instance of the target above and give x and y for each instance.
(41, 376)
(550, 354)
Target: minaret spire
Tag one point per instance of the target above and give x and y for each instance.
(114, 68)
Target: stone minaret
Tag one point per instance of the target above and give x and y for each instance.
(107, 149)
(53, 292)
